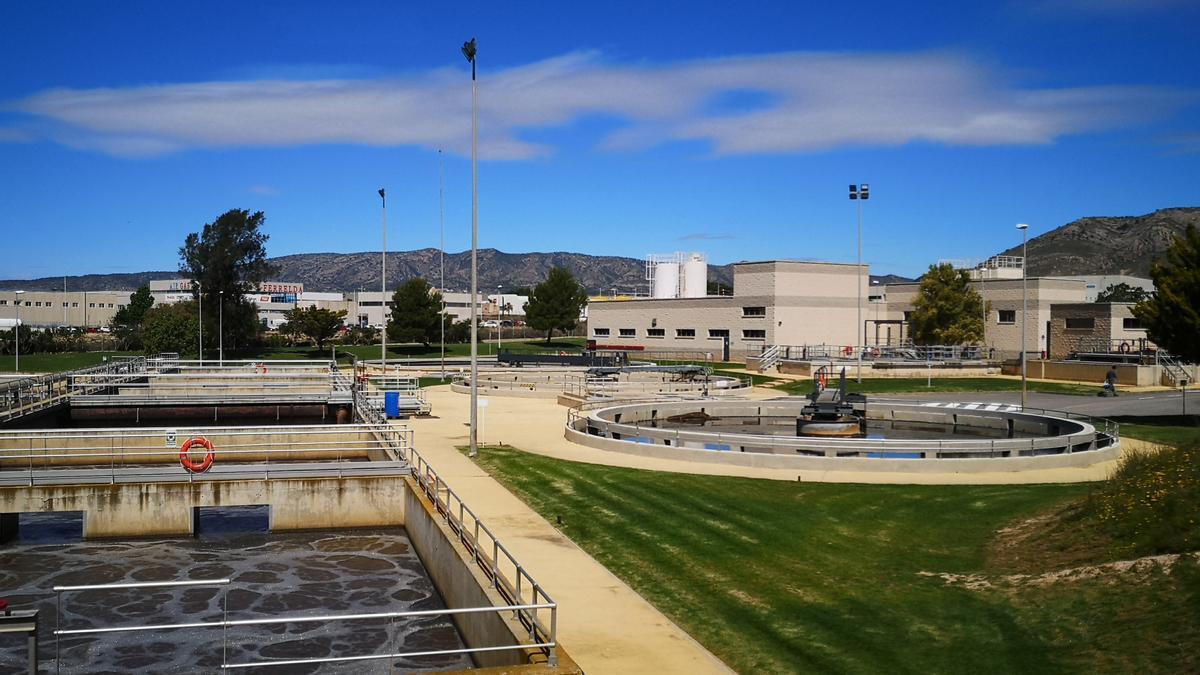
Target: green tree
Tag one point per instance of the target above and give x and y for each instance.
(946, 311)
(1122, 292)
(1171, 314)
(416, 313)
(127, 322)
(228, 259)
(317, 323)
(556, 303)
(171, 328)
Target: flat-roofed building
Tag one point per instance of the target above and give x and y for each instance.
(1095, 327)
(47, 309)
(366, 307)
(774, 302)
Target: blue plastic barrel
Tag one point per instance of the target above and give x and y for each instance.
(391, 404)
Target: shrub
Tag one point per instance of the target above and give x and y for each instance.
(1152, 503)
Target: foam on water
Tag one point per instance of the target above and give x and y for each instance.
(274, 574)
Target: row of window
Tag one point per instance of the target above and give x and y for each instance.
(680, 333)
(1089, 323)
(51, 304)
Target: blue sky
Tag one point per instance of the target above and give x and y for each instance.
(606, 128)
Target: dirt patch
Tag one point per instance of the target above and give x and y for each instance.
(1137, 570)
(1061, 538)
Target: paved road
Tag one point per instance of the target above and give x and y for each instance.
(1128, 404)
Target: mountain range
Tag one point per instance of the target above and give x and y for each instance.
(1096, 245)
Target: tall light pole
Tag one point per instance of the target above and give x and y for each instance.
(860, 194)
(221, 329)
(499, 319)
(442, 252)
(383, 282)
(1024, 303)
(200, 321)
(468, 50)
(17, 334)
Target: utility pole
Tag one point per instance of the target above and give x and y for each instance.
(383, 283)
(442, 252)
(860, 194)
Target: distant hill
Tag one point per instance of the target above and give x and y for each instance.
(1107, 245)
(354, 271)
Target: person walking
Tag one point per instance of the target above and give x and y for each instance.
(1110, 381)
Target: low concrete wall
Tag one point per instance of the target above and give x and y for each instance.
(890, 369)
(85, 447)
(461, 584)
(158, 509)
(799, 463)
(1129, 374)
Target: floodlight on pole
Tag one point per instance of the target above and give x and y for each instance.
(859, 194)
(200, 321)
(17, 333)
(1024, 305)
(468, 50)
(383, 283)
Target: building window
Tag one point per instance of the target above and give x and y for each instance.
(110, 305)
(655, 332)
(37, 304)
(64, 304)
(907, 316)
(600, 332)
(754, 335)
(754, 311)
(628, 332)
(685, 333)
(3, 302)
(74, 304)
(1080, 323)
(718, 332)
(28, 303)
(1132, 324)
(91, 304)
(1004, 316)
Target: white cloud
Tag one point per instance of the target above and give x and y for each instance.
(809, 102)
(264, 190)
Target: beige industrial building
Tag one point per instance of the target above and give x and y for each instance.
(366, 307)
(1002, 328)
(1089, 327)
(773, 302)
(46, 309)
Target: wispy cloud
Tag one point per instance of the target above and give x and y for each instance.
(806, 102)
(705, 236)
(1183, 144)
(264, 190)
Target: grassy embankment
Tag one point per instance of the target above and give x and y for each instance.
(792, 577)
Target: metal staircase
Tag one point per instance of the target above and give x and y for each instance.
(1172, 371)
(769, 358)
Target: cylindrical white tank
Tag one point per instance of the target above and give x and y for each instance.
(666, 280)
(695, 276)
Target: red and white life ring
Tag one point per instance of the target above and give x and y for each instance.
(206, 463)
(847, 350)
(261, 369)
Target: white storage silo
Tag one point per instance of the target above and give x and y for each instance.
(666, 280)
(695, 276)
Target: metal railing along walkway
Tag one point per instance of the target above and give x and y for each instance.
(113, 456)
(32, 394)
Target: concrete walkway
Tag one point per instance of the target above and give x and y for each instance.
(602, 623)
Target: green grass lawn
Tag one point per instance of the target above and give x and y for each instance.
(49, 363)
(778, 577)
(883, 385)
(1171, 430)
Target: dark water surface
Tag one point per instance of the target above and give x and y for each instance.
(273, 575)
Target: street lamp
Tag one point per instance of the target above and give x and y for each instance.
(442, 253)
(860, 194)
(1024, 304)
(499, 320)
(17, 334)
(200, 321)
(383, 283)
(221, 329)
(468, 50)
